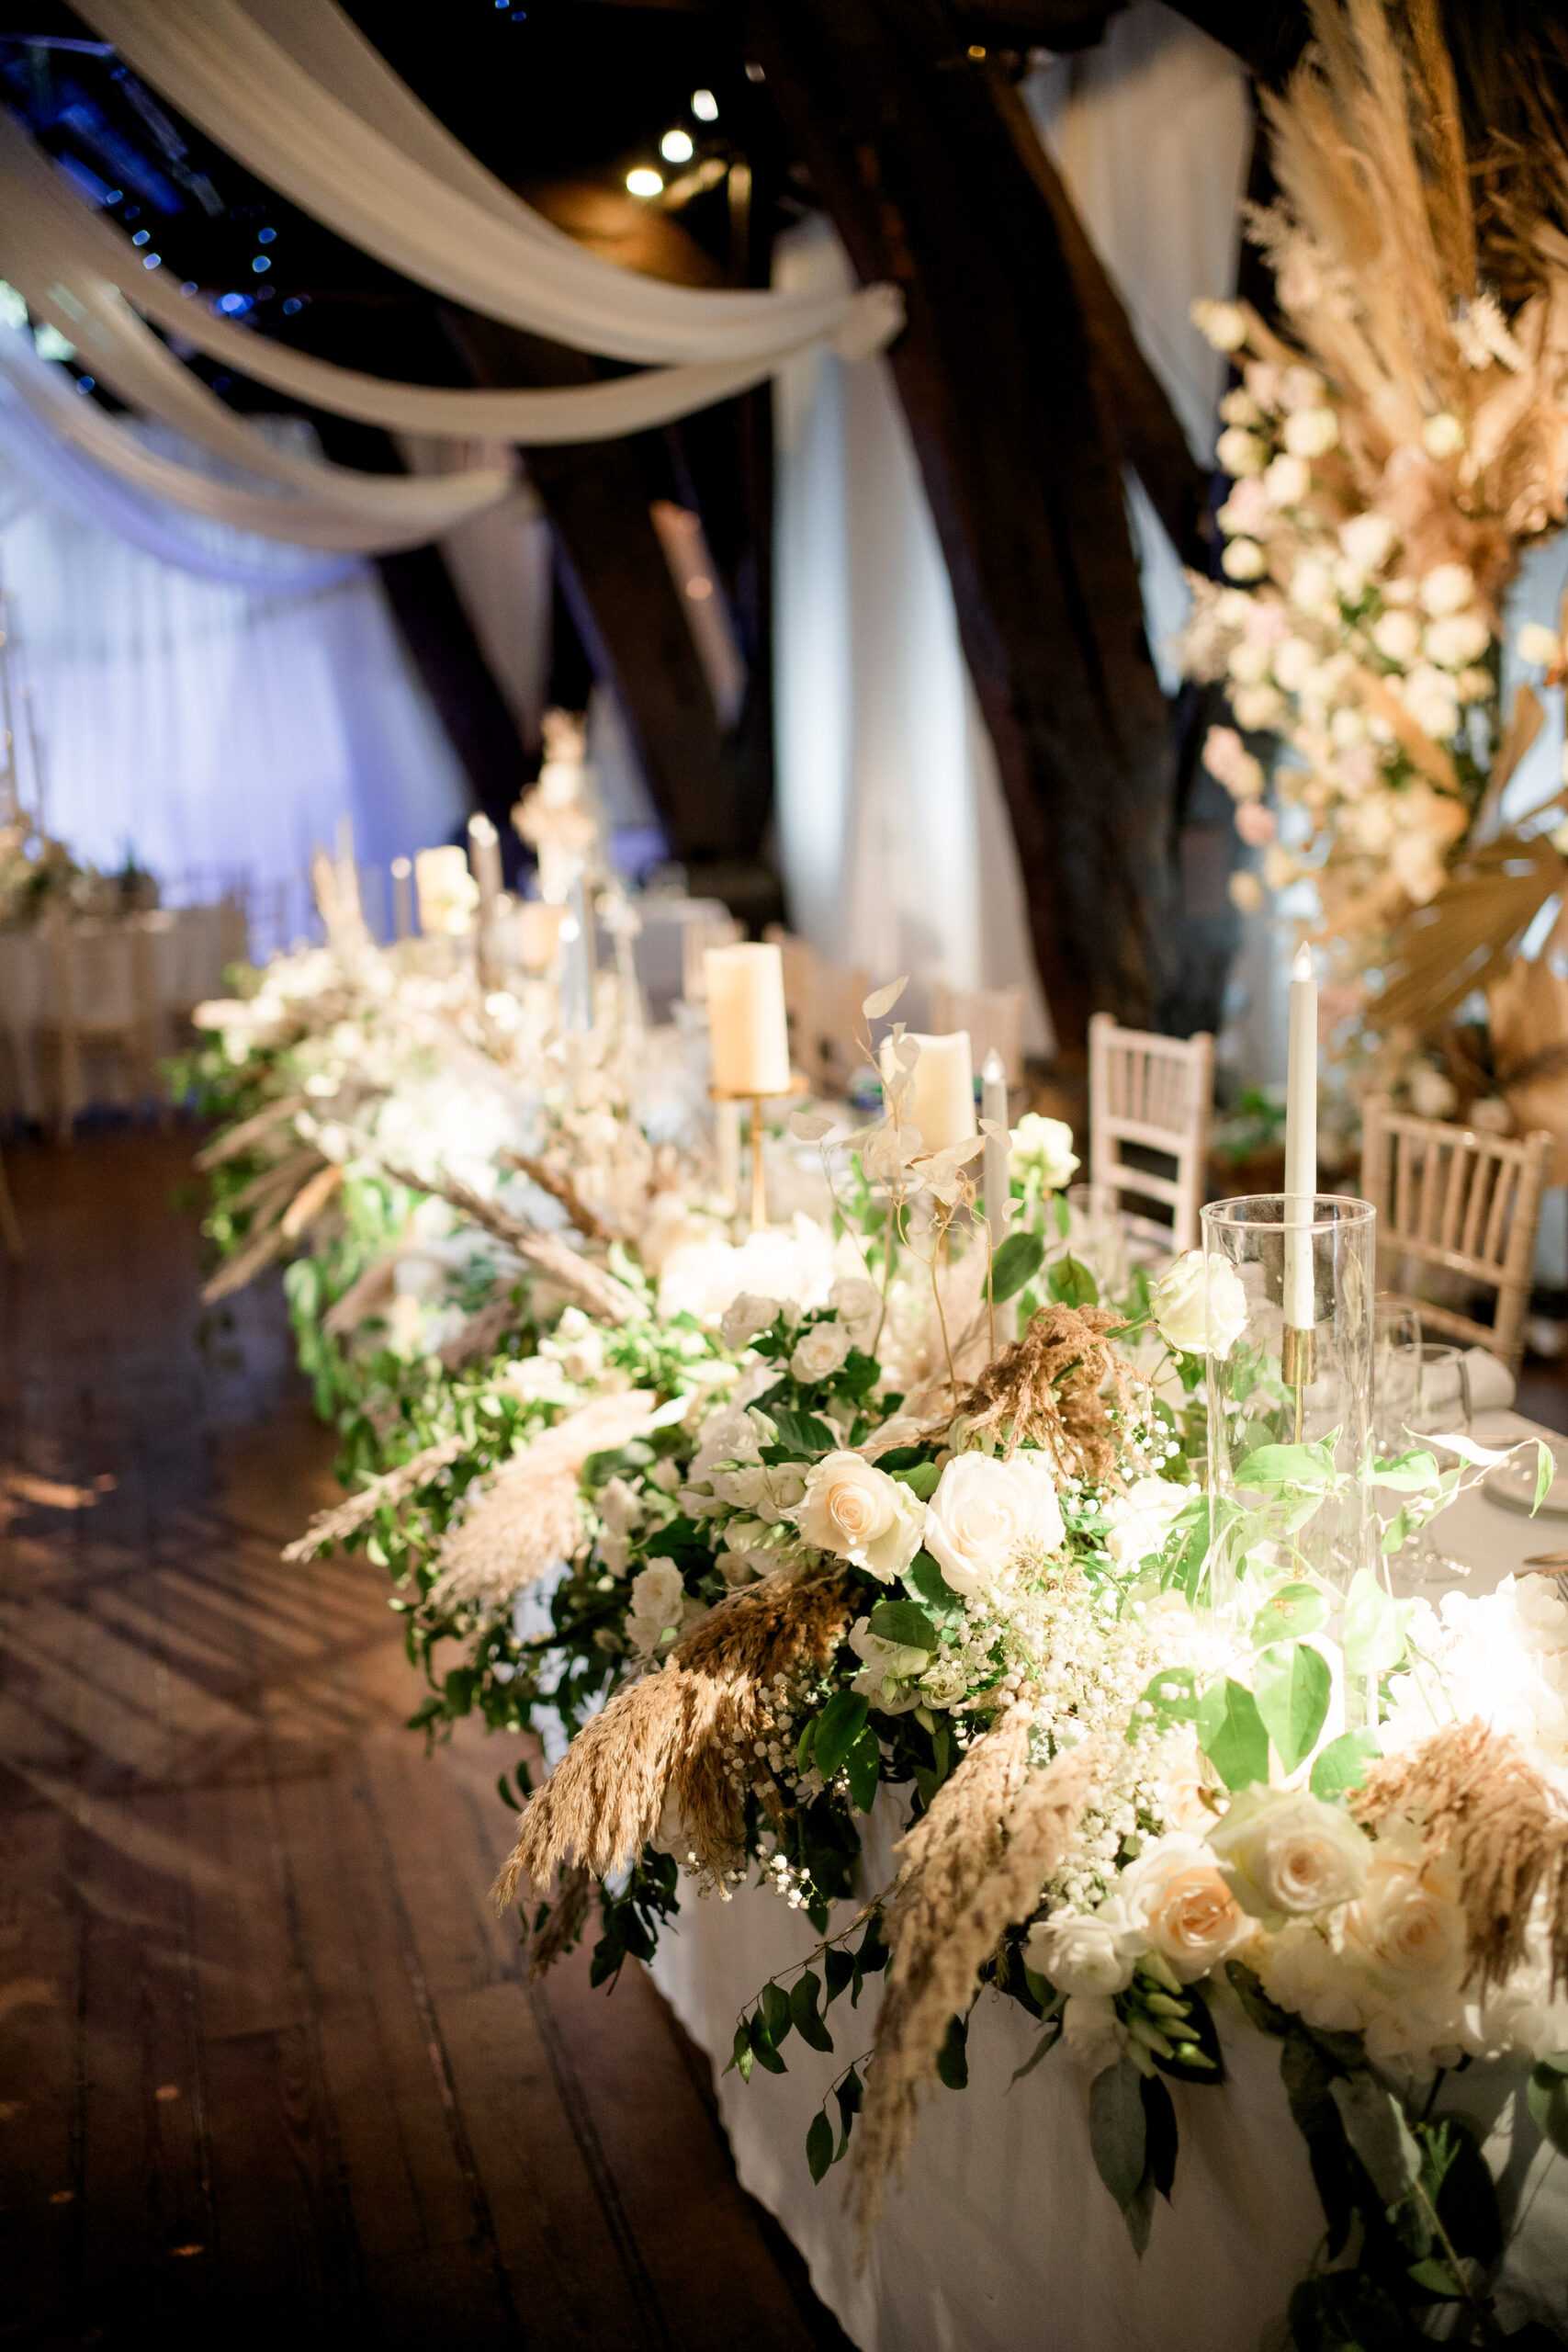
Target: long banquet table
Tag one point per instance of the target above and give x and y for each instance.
(1003, 2238)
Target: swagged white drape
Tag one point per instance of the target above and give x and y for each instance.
(214, 700)
(895, 845)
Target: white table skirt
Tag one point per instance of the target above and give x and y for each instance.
(1003, 2238)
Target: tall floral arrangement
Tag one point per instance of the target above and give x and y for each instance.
(1391, 449)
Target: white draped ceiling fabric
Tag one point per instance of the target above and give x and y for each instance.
(895, 845)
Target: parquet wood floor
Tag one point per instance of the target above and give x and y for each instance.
(269, 2073)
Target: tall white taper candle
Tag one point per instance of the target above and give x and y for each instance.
(402, 898)
(1301, 1141)
(999, 1175)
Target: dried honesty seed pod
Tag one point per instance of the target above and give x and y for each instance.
(881, 1001)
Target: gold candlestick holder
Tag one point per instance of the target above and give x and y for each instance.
(797, 1086)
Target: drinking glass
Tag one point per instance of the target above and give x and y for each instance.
(1443, 1410)
(1097, 1236)
(1396, 1374)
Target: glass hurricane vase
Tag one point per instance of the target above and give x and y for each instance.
(1290, 1399)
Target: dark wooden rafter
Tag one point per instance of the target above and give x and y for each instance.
(623, 598)
(906, 144)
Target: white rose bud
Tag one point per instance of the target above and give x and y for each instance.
(1243, 560)
(1083, 1953)
(1284, 1852)
(819, 1350)
(745, 1316)
(1044, 1143)
(1397, 635)
(1240, 453)
(1448, 588)
(1287, 481)
(1196, 1312)
(1222, 325)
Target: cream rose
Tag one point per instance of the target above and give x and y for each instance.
(858, 1305)
(745, 1316)
(1448, 588)
(1045, 1144)
(887, 1669)
(1284, 1851)
(857, 1511)
(1303, 1973)
(1539, 644)
(1175, 1895)
(1311, 432)
(1082, 1952)
(984, 1511)
(1092, 2034)
(820, 1351)
(1403, 1928)
(1198, 1312)
(1140, 1518)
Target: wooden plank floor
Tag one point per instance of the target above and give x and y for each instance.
(269, 2069)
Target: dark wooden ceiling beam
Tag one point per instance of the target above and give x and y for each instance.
(906, 145)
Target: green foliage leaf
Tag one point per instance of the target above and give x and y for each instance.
(819, 2144)
(762, 2049)
(1016, 1263)
(1375, 2126)
(1545, 1471)
(1305, 1469)
(1416, 1473)
(1343, 1764)
(1161, 2138)
(838, 1725)
(1232, 1735)
(1118, 2129)
(921, 1478)
(740, 2056)
(849, 2096)
(924, 1580)
(1436, 2279)
(837, 1967)
(1289, 1612)
(905, 1621)
(1173, 1696)
(1548, 2095)
(1292, 1685)
(803, 1433)
(805, 1995)
(1071, 1284)
(775, 2004)
(952, 2058)
(1375, 1625)
(863, 1765)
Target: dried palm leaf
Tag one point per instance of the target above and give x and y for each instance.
(1465, 937)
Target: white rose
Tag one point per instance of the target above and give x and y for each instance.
(820, 1351)
(1540, 644)
(1447, 588)
(1432, 1094)
(1092, 2034)
(1456, 639)
(1312, 585)
(1240, 453)
(1404, 1925)
(1222, 325)
(1259, 707)
(1287, 481)
(1294, 663)
(745, 1316)
(1303, 1973)
(984, 1511)
(1081, 1952)
(1196, 1313)
(1140, 1518)
(1245, 891)
(1311, 432)
(1045, 1144)
(1429, 696)
(1239, 408)
(1367, 539)
(858, 1304)
(1242, 559)
(657, 1597)
(1249, 664)
(858, 1512)
(1176, 1895)
(888, 1667)
(1278, 867)
(1442, 435)
(1284, 1851)
(1397, 635)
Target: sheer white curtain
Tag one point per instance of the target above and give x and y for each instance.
(208, 723)
(895, 845)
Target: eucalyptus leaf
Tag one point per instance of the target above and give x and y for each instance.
(819, 2144)
(1118, 2130)
(805, 1995)
(1292, 1685)
(775, 2002)
(1375, 2126)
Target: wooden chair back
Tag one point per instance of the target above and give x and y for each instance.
(994, 1018)
(823, 1001)
(1465, 1203)
(103, 999)
(1154, 1093)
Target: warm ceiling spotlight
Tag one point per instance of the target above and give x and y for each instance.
(676, 147)
(705, 106)
(644, 181)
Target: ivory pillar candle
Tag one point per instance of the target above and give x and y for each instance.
(484, 856)
(445, 890)
(747, 1027)
(402, 898)
(941, 1089)
(1301, 1142)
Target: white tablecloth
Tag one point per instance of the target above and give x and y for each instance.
(1003, 2239)
(187, 951)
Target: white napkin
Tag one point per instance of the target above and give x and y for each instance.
(1492, 1386)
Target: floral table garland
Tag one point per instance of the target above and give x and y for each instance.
(819, 1542)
